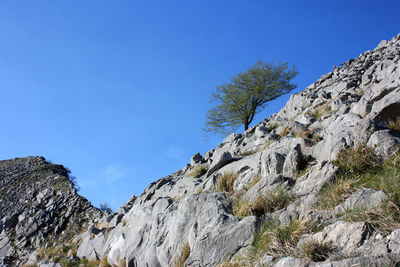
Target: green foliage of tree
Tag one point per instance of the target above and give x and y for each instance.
(106, 207)
(247, 94)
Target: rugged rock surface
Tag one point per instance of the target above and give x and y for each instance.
(39, 206)
(180, 220)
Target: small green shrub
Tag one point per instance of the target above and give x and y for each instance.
(198, 171)
(358, 160)
(225, 182)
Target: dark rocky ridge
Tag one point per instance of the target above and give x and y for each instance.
(349, 106)
(39, 205)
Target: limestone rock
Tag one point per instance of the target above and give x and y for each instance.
(219, 160)
(293, 161)
(385, 143)
(344, 236)
(362, 199)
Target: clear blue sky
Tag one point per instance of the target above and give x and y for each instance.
(117, 91)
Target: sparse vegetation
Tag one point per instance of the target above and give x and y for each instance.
(335, 192)
(304, 133)
(198, 171)
(303, 168)
(225, 182)
(60, 254)
(177, 198)
(272, 201)
(316, 137)
(355, 161)
(254, 181)
(267, 144)
(278, 240)
(284, 131)
(91, 263)
(184, 255)
(356, 165)
(104, 262)
(199, 191)
(384, 219)
(360, 168)
(247, 153)
(316, 251)
(273, 126)
(320, 111)
(394, 125)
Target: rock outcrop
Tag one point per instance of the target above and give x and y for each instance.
(270, 177)
(39, 207)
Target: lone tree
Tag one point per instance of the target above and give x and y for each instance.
(106, 207)
(246, 95)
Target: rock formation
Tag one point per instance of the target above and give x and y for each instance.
(260, 198)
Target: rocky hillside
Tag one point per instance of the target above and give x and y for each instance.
(39, 208)
(316, 184)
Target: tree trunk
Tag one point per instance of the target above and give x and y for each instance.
(246, 125)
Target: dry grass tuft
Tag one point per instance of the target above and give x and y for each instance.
(273, 126)
(335, 192)
(359, 168)
(184, 255)
(284, 131)
(198, 171)
(316, 251)
(247, 153)
(384, 219)
(225, 182)
(272, 201)
(104, 262)
(267, 144)
(254, 181)
(303, 134)
(279, 240)
(321, 110)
